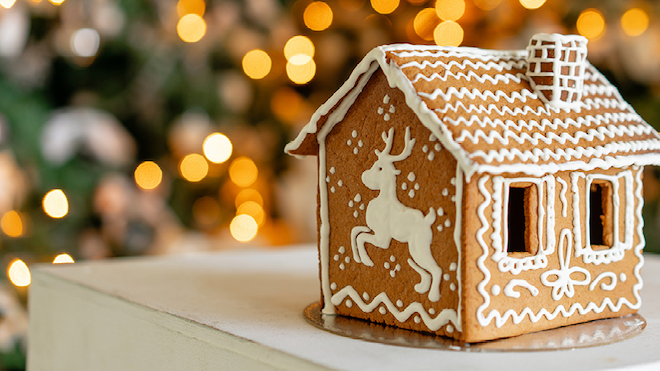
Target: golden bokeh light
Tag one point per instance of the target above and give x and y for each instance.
(591, 24)
(299, 50)
(448, 33)
(425, 22)
(55, 204)
(193, 167)
(487, 4)
(532, 4)
(63, 259)
(148, 175)
(248, 195)
(19, 273)
(217, 148)
(7, 3)
(12, 224)
(450, 10)
(301, 74)
(384, 6)
(206, 210)
(191, 28)
(243, 172)
(56, 2)
(257, 64)
(318, 16)
(254, 210)
(243, 228)
(634, 22)
(184, 7)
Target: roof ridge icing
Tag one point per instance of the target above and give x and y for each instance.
(598, 93)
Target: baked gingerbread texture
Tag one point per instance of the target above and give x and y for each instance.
(479, 194)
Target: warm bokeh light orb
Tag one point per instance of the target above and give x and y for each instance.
(19, 273)
(591, 24)
(532, 4)
(317, 16)
(448, 33)
(85, 42)
(243, 228)
(243, 172)
(634, 22)
(257, 64)
(191, 28)
(148, 175)
(184, 7)
(56, 2)
(193, 167)
(252, 209)
(299, 46)
(12, 224)
(63, 259)
(55, 204)
(450, 10)
(7, 3)
(248, 195)
(384, 6)
(301, 73)
(425, 23)
(217, 148)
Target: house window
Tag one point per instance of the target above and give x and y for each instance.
(522, 219)
(601, 229)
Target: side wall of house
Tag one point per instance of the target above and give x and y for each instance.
(567, 280)
(392, 256)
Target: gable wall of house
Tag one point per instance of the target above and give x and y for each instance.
(521, 292)
(427, 178)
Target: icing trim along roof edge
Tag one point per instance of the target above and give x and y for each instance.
(335, 108)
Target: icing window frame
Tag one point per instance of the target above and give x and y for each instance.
(543, 242)
(521, 202)
(614, 246)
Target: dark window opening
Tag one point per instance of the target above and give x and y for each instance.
(522, 219)
(600, 214)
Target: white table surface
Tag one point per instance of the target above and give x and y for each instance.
(259, 296)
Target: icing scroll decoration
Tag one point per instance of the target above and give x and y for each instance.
(508, 289)
(564, 284)
(604, 286)
(389, 219)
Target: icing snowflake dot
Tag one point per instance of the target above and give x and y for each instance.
(361, 206)
(431, 311)
(350, 203)
(411, 176)
(380, 110)
(342, 266)
(447, 223)
(425, 148)
(340, 183)
(336, 257)
(446, 277)
(392, 273)
(495, 290)
(453, 198)
(441, 211)
(440, 228)
(416, 186)
(355, 150)
(333, 286)
(365, 296)
(327, 179)
(432, 138)
(392, 109)
(622, 277)
(398, 267)
(386, 117)
(392, 258)
(437, 147)
(431, 156)
(445, 192)
(332, 189)
(450, 329)
(453, 266)
(386, 99)
(349, 303)
(347, 259)
(349, 142)
(360, 144)
(452, 181)
(342, 249)
(357, 198)
(382, 310)
(411, 194)
(404, 186)
(399, 303)
(452, 286)
(355, 214)
(332, 170)
(354, 134)
(386, 265)
(417, 319)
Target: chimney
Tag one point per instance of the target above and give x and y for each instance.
(555, 67)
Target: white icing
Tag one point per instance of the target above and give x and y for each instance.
(333, 286)
(447, 223)
(441, 211)
(380, 110)
(431, 156)
(354, 134)
(342, 249)
(399, 303)
(450, 329)
(416, 186)
(386, 99)
(622, 277)
(495, 290)
(392, 258)
(445, 192)
(357, 198)
(453, 198)
(360, 143)
(365, 296)
(603, 286)
(332, 170)
(432, 323)
(332, 189)
(342, 266)
(382, 310)
(432, 138)
(351, 203)
(452, 286)
(563, 283)
(386, 265)
(355, 214)
(349, 142)
(452, 267)
(392, 109)
(340, 183)
(508, 289)
(562, 197)
(411, 194)
(327, 179)
(431, 311)
(386, 117)
(404, 186)
(361, 206)
(347, 259)
(398, 267)
(439, 227)
(425, 148)
(393, 273)
(438, 147)
(446, 276)
(349, 303)
(417, 319)
(411, 176)
(336, 258)
(355, 150)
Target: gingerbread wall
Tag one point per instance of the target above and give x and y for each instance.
(385, 292)
(509, 294)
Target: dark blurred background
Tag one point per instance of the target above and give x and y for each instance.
(136, 127)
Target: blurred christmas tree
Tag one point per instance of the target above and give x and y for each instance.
(130, 127)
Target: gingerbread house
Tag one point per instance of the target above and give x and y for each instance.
(479, 194)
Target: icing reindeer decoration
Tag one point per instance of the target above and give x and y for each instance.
(387, 219)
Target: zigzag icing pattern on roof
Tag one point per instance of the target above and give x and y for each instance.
(602, 130)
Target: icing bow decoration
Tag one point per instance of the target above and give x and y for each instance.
(563, 284)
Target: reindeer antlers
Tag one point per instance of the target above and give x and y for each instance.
(389, 139)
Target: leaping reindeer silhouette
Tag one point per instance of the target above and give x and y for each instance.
(387, 219)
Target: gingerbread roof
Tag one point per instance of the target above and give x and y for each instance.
(481, 106)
